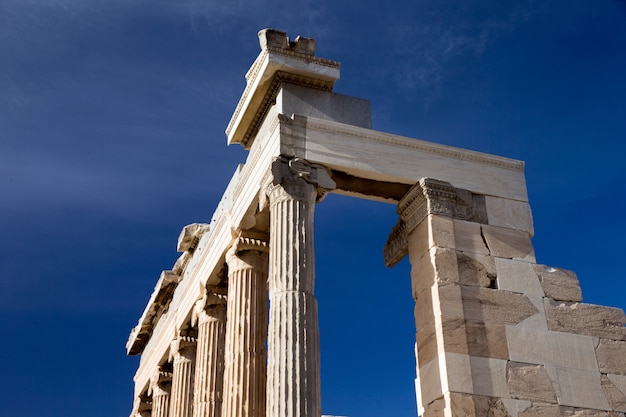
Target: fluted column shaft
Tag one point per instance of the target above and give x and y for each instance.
(209, 377)
(293, 386)
(245, 367)
(184, 351)
(160, 387)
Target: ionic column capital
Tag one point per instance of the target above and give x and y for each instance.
(183, 346)
(248, 252)
(159, 383)
(296, 179)
(212, 305)
(427, 196)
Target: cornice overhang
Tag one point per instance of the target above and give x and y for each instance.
(280, 61)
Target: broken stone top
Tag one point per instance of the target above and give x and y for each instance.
(280, 60)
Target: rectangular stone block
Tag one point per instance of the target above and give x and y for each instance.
(467, 405)
(419, 241)
(518, 276)
(468, 238)
(459, 373)
(475, 269)
(431, 383)
(422, 273)
(581, 388)
(611, 356)
(588, 319)
(530, 382)
(511, 214)
(486, 340)
(508, 243)
(495, 306)
(489, 377)
(426, 344)
(559, 284)
(531, 345)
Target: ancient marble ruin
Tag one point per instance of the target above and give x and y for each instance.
(497, 334)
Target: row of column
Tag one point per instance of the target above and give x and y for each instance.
(226, 371)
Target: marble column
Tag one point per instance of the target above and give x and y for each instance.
(209, 377)
(160, 387)
(293, 385)
(246, 333)
(183, 351)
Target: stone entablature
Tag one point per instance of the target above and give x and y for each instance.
(497, 334)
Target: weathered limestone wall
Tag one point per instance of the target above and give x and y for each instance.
(498, 334)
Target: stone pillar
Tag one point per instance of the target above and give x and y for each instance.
(183, 351)
(245, 359)
(160, 387)
(462, 315)
(293, 385)
(209, 377)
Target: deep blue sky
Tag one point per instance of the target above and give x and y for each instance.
(112, 116)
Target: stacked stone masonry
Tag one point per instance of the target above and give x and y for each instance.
(498, 334)
(231, 330)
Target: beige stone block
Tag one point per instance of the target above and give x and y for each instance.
(508, 243)
(448, 301)
(495, 306)
(441, 232)
(426, 343)
(559, 284)
(541, 410)
(614, 394)
(589, 319)
(486, 340)
(431, 383)
(458, 372)
(445, 264)
(423, 311)
(419, 242)
(530, 382)
(468, 238)
(435, 408)
(489, 377)
(512, 214)
(422, 274)
(454, 335)
(581, 388)
(531, 345)
(466, 405)
(611, 356)
(475, 269)
(518, 276)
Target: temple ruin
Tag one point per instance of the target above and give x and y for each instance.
(496, 333)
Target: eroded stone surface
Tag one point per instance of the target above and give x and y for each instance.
(497, 306)
(559, 284)
(614, 395)
(529, 382)
(463, 405)
(589, 319)
(611, 356)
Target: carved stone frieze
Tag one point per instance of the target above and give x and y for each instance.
(190, 236)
